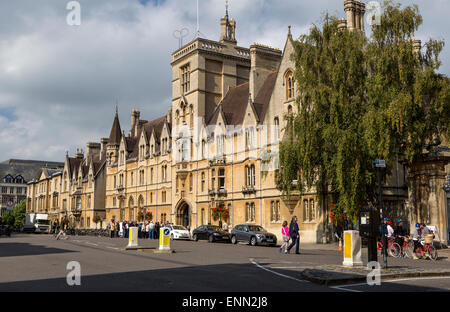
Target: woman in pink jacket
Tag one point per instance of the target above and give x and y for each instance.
(286, 237)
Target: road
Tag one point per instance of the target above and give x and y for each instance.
(39, 263)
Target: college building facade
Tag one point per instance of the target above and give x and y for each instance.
(215, 149)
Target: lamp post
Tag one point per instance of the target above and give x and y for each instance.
(447, 197)
(380, 164)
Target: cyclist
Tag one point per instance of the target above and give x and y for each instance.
(400, 233)
(61, 233)
(417, 235)
(389, 230)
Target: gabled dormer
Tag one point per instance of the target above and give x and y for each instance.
(143, 146)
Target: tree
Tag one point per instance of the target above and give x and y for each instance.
(361, 99)
(19, 213)
(8, 218)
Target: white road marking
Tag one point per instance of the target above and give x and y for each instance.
(344, 287)
(276, 273)
(89, 243)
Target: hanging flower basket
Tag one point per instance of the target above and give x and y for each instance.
(220, 213)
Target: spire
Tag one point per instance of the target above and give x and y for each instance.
(116, 131)
(228, 27)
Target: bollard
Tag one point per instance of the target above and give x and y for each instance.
(164, 238)
(352, 249)
(133, 238)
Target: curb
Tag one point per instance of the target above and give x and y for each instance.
(351, 280)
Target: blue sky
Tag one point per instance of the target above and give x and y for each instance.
(59, 84)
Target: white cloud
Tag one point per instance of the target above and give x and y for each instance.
(58, 84)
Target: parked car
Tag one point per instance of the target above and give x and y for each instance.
(211, 233)
(179, 232)
(252, 234)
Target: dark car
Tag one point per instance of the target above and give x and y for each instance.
(252, 234)
(211, 233)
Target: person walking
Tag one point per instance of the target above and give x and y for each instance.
(112, 227)
(157, 227)
(116, 229)
(294, 233)
(152, 229)
(286, 237)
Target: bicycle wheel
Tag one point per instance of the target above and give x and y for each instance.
(432, 252)
(408, 250)
(419, 253)
(379, 245)
(394, 250)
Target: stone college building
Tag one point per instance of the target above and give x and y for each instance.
(216, 148)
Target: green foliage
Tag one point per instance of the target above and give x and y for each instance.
(361, 99)
(8, 218)
(19, 213)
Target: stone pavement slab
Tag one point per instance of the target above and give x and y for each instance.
(337, 274)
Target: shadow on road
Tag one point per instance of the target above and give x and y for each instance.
(25, 249)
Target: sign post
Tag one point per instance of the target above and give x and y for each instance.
(380, 164)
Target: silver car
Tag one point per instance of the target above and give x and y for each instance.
(252, 234)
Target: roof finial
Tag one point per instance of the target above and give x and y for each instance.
(289, 31)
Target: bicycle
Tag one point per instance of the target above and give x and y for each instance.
(393, 249)
(63, 234)
(407, 249)
(426, 249)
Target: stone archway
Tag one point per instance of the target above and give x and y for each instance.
(141, 207)
(122, 210)
(183, 216)
(131, 216)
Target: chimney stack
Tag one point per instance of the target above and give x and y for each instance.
(92, 149)
(79, 154)
(135, 115)
(264, 60)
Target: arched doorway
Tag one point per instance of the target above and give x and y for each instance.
(183, 214)
(122, 210)
(141, 208)
(131, 210)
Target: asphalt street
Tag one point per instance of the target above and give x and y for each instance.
(39, 263)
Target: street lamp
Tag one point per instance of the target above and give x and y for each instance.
(380, 164)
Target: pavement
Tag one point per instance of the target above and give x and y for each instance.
(39, 262)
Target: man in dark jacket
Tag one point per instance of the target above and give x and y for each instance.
(294, 232)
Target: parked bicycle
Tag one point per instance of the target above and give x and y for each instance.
(393, 249)
(426, 248)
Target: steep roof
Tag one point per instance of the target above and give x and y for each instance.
(261, 102)
(27, 169)
(235, 102)
(116, 131)
(233, 105)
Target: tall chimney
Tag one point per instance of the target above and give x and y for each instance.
(135, 114)
(103, 143)
(264, 60)
(92, 149)
(79, 154)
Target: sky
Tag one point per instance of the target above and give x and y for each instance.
(59, 84)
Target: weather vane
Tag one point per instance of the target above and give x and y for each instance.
(180, 35)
